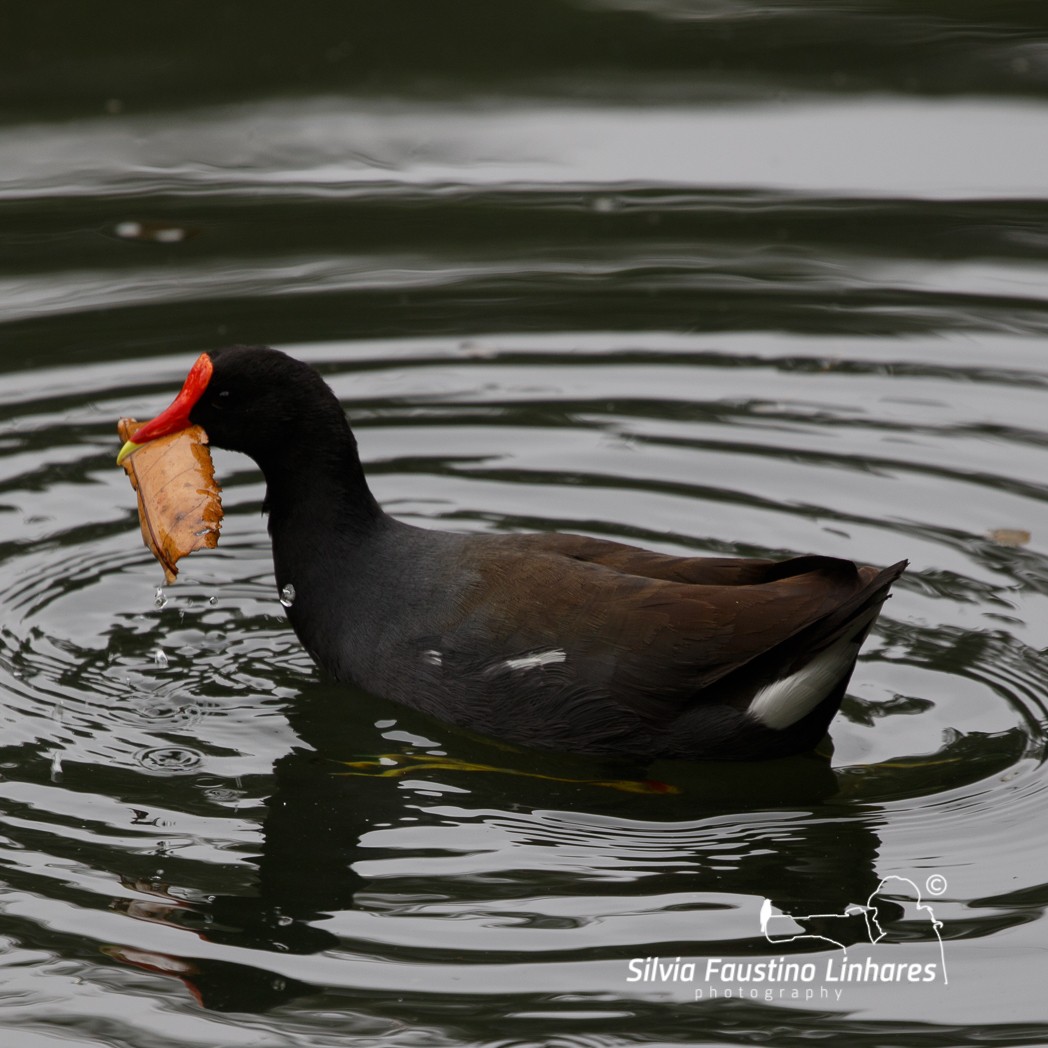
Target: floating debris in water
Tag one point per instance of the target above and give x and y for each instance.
(1008, 536)
(152, 232)
(479, 350)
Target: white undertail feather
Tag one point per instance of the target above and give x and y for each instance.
(786, 701)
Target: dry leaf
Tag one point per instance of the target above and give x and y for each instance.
(1009, 536)
(179, 502)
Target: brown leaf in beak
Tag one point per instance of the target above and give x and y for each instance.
(179, 501)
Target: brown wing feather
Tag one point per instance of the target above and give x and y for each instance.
(652, 629)
(632, 560)
(568, 642)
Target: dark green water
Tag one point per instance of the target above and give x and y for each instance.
(709, 277)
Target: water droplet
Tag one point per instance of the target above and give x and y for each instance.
(160, 710)
(56, 766)
(160, 657)
(168, 760)
(287, 595)
(212, 601)
(159, 600)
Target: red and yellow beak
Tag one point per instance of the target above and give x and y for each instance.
(175, 417)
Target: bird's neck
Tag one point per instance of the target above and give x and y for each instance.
(316, 491)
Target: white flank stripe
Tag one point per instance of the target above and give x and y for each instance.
(539, 658)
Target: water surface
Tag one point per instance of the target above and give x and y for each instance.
(720, 279)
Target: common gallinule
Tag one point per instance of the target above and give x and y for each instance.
(551, 640)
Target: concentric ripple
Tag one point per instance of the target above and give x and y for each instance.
(725, 279)
(667, 441)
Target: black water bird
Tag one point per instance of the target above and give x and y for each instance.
(556, 641)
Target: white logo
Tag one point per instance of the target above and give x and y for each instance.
(778, 928)
(808, 977)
